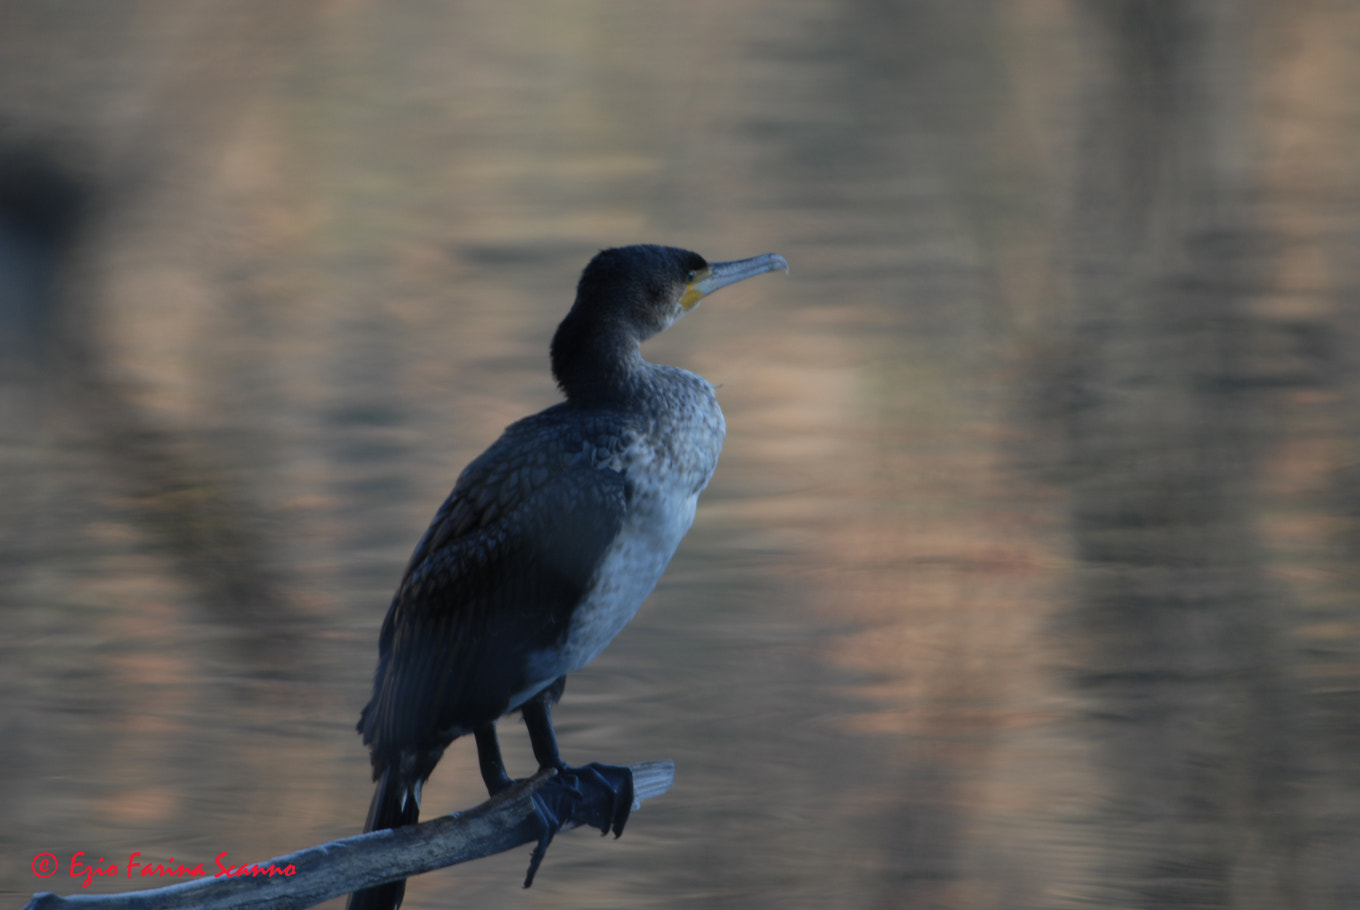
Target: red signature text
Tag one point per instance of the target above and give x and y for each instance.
(45, 865)
(251, 870)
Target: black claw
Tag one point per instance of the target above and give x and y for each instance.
(593, 782)
(619, 781)
(597, 795)
(549, 824)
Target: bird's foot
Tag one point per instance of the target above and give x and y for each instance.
(597, 795)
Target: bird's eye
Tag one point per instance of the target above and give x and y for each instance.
(691, 276)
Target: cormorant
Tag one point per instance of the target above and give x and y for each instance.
(550, 540)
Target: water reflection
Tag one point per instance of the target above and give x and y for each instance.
(1027, 578)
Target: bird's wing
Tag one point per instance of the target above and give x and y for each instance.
(494, 579)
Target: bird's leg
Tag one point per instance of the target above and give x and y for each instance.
(489, 758)
(538, 718)
(595, 794)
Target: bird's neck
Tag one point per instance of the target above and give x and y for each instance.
(596, 364)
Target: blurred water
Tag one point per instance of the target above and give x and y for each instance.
(1027, 578)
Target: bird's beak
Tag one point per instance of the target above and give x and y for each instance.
(721, 274)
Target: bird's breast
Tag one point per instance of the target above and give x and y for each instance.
(656, 522)
(665, 469)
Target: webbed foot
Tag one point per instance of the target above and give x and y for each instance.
(597, 795)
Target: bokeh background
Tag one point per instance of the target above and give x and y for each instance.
(1028, 578)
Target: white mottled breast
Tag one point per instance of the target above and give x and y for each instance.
(666, 469)
(658, 517)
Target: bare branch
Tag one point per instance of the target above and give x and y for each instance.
(502, 823)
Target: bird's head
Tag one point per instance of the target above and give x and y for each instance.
(628, 294)
(646, 288)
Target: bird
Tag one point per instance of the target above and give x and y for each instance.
(549, 542)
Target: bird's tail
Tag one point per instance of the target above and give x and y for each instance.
(392, 807)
